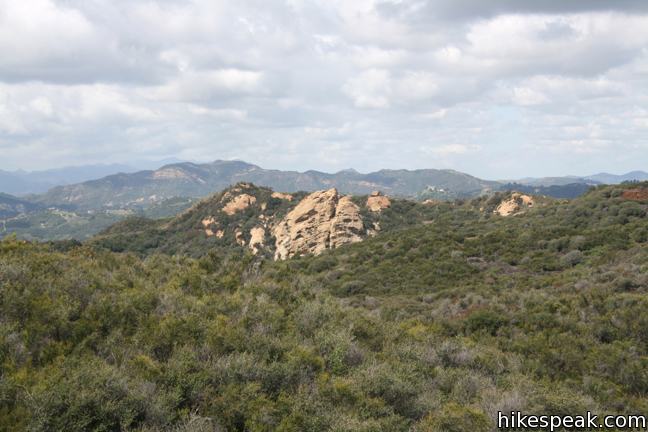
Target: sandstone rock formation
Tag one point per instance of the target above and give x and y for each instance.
(257, 238)
(208, 221)
(321, 221)
(238, 235)
(238, 203)
(372, 232)
(515, 205)
(207, 225)
(283, 196)
(346, 225)
(376, 202)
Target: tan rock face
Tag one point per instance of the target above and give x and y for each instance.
(257, 238)
(376, 202)
(238, 203)
(346, 225)
(208, 221)
(238, 235)
(515, 205)
(207, 225)
(283, 196)
(320, 221)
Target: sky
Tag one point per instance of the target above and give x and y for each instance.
(498, 89)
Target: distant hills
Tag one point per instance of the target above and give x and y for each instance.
(79, 208)
(601, 178)
(35, 182)
(29, 182)
(607, 178)
(119, 186)
(11, 206)
(143, 188)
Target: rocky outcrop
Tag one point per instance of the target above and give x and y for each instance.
(238, 203)
(377, 202)
(346, 225)
(207, 225)
(257, 238)
(208, 221)
(238, 235)
(514, 205)
(283, 196)
(322, 220)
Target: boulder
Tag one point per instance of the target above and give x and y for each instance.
(322, 220)
(376, 202)
(238, 203)
(257, 238)
(516, 204)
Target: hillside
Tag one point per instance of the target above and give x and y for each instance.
(432, 327)
(32, 222)
(569, 190)
(269, 223)
(143, 188)
(11, 206)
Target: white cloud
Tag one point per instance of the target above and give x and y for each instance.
(402, 83)
(526, 96)
(370, 89)
(452, 149)
(207, 85)
(39, 31)
(417, 85)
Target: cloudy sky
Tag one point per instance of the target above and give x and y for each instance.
(499, 89)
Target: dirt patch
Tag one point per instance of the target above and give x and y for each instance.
(638, 194)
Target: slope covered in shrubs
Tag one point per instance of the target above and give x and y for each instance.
(434, 327)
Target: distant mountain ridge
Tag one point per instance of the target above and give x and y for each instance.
(22, 182)
(601, 178)
(29, 182)
(143, 188)
(607, 178)
(11, 206)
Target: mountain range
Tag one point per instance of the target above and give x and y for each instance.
(143, 188)
(81, 209)
(22, 182)
(600, 178)
(140, 183)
